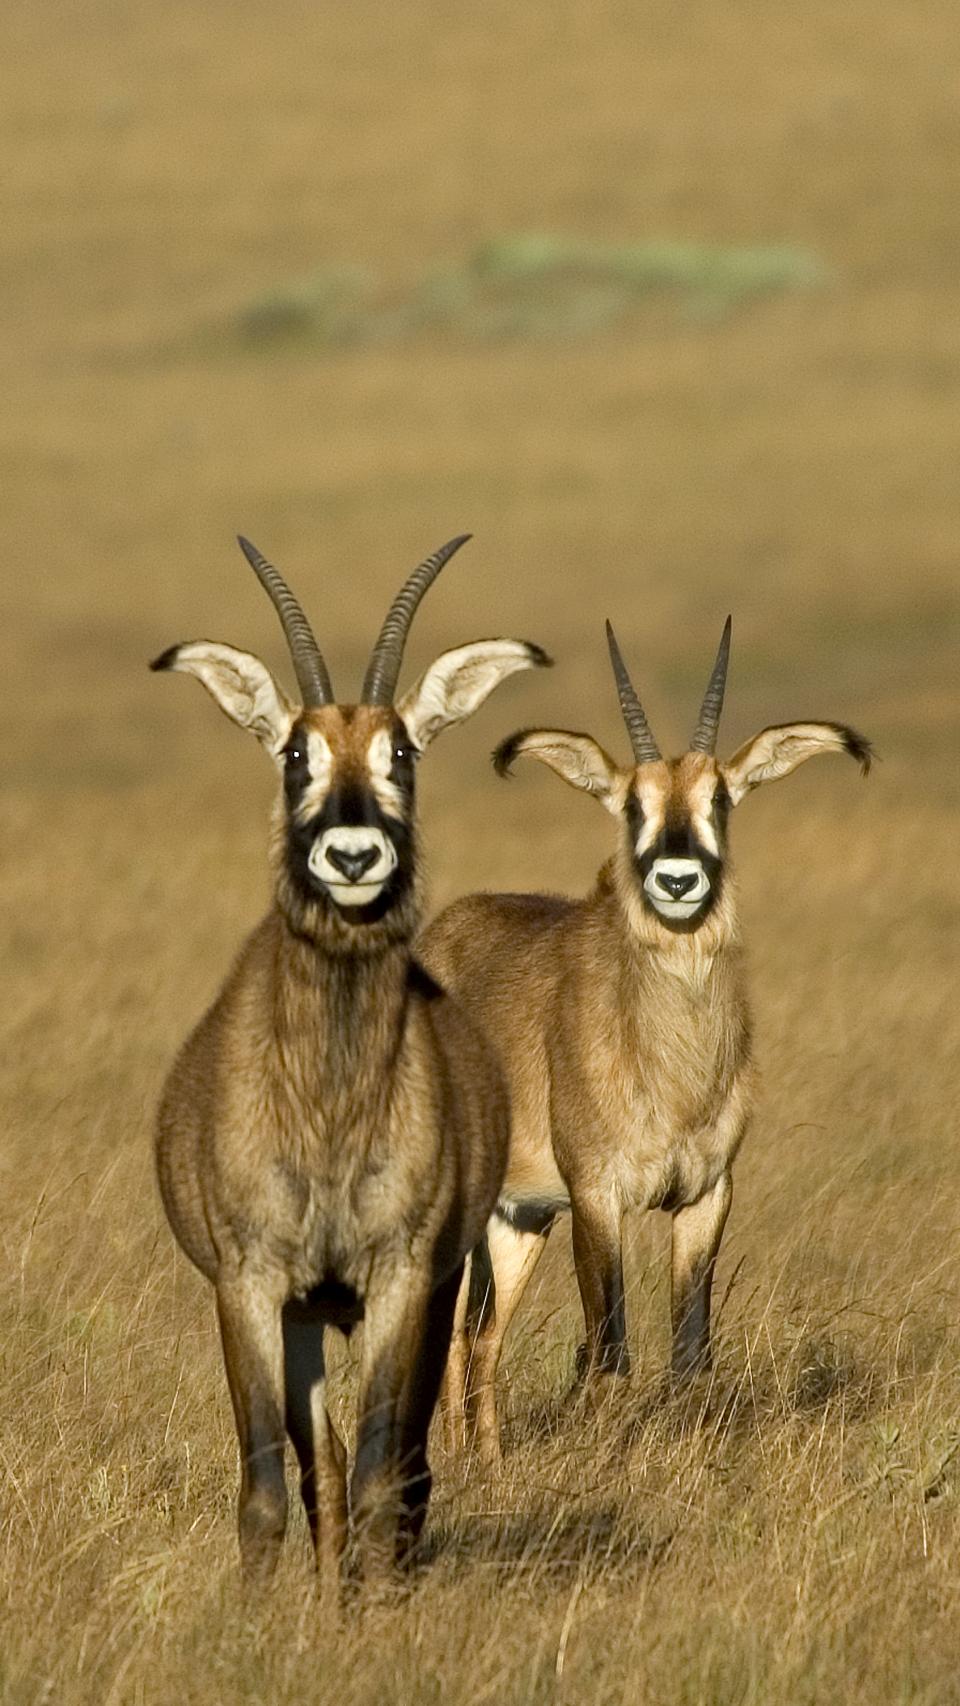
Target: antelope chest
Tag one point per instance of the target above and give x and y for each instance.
(654, 1133)
(671, 1132)
(328, 1216)
(657, 1167)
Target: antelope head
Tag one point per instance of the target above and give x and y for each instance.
(675, 811)
(345, 852)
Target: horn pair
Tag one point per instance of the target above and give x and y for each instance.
(645, 748)
(383, 670)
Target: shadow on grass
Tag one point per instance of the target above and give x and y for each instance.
(558, 1545)
(817, 1373)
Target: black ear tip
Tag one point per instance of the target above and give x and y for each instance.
(859, 748)
(504, 754)
(166, 659)
(538, 657)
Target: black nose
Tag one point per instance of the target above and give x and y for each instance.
(677, 887)
(352, 865)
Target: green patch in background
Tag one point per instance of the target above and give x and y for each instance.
(526, 286)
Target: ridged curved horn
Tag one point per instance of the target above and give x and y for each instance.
(645, 748)
(705, 738)
(380, 681)
(311, 671)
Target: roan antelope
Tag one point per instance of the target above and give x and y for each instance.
(623, 1025)
(332, 1136)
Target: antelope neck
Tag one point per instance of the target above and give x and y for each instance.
(339, 1014)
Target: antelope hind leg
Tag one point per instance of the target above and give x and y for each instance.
(250, 1328)
(696, 1234)
(454, 1385)
(319, 1448)
(474, 1313)
(513, 1255)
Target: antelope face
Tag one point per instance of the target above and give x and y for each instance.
(676, 809)
(347, 845)
(676, 816)
(348, 783)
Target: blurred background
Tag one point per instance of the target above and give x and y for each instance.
(663, 304)
(663, 307)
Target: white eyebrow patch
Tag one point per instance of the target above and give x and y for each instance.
(379, 763)
(320, 767)
(701, 806)
(319, 756)
(652, 807)
(706, 834)
(648, 835)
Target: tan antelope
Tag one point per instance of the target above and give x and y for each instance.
(623, 1025)
(332, 1137)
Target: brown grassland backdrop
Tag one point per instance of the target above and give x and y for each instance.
(172, 173)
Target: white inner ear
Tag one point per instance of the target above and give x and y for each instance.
(457, 684)
(243, 688)
(580, 761)
(775, 753)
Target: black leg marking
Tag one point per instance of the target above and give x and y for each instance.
(599, 1264)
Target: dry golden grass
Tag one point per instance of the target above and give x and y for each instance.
(797, 463)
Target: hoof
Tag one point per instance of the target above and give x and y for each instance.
(615, 1362)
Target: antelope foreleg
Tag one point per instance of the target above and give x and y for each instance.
(420, 1405)
(599, 1263)
(250, 1328)
(390, 1451)
(319, 1448)
(697, 1231)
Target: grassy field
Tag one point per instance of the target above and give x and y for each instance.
(793, 458)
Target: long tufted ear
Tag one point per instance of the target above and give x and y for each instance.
(242, 686)
(776, 751)
(459, 681)
(578, 759)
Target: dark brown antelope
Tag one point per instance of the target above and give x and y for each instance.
(332, 1136)
(623, 1025)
